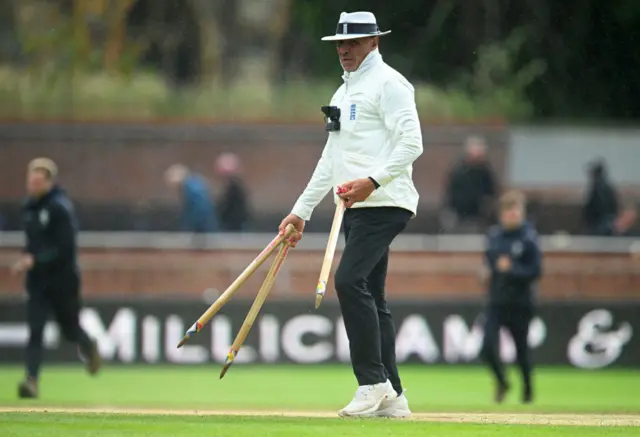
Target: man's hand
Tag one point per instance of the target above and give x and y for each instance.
(504, 263)
(356, 191)
(22, 265)
(297, 223)
(624, 221)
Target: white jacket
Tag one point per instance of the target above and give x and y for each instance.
(379, 137)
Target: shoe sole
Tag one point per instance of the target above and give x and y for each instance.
(94, 364)
(398, 414)
(370, 412)
(502, 394)
(26, 393)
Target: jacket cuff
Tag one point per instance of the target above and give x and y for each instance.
(302, 211)
(375, 183)
(381, 177)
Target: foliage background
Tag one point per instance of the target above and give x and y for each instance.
(514, 59)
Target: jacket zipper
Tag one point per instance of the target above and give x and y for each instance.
(346, 88)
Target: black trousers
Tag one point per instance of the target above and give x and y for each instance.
(360, 285)
(516, 318)
(60, 295)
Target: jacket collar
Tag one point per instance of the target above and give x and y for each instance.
(36, 202)
(373, 59)
(523, 228)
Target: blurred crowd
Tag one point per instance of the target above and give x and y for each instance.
(472, 190)
(201, 212)
(468, 203)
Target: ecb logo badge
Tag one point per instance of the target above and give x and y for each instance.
(44, 217)
(517, 248)
(352, 112)
(344, 28)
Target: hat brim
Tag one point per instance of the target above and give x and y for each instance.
(353, 36)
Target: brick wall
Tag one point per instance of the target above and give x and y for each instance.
(125, 162)
(424, 274)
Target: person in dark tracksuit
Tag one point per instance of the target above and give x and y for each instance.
(52, 273)
(515, 263)
(234, 201)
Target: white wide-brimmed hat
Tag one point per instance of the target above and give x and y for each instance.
(356, 25)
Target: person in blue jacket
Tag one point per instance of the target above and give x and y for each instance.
(514, 260)
(198, 211)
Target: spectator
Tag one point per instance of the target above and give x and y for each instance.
(601, 211)
(471, 190)
(198, 211)
(234, 204)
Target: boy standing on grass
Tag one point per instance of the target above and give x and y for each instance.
(515, 263)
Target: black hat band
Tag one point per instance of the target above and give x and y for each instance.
(357, 28)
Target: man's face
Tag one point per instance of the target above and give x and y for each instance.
(353, 51)
(38, 182)
(476, 152)
(174, 176)
(512, 217)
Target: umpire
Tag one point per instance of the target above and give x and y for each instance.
(53, 278)
(515, 263)
(374, 138)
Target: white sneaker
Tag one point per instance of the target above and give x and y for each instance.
(398, 407)
(368, 398)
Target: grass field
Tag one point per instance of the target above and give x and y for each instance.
(303, 401)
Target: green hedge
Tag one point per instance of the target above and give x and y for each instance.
(27, 96)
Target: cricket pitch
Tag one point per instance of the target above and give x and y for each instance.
(607, 420)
